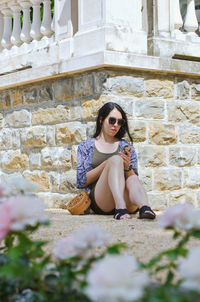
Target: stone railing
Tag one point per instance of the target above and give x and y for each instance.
(31, 37)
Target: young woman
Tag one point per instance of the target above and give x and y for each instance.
(108, 171)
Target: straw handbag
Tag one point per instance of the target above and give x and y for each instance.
(79, 204)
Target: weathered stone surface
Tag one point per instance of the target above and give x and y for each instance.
(91, 127)
(56, 158)
(189, 135)
(167, 179)
(31, 96)
(18, 119)
(16, 142)
(192, 178)
(34, 137)
(159, 88)
(198, 199)
(182, 90)
(154, 109)
(17, 98)
(151, 156)
(50, 115)
(75, 111)
(145, 176)
(99, 80)
(55, 200)
(198, 156)
(5, 100)
(74, 156)
(41, 178)
(5, 139)
(83, 86)
(15, 160)
(1, 120)
(157, 201)
(181, 196)
(50, 134)
(70, 133)
(45, 93)
(196, 92)
(182, 156)
(90, 108)
(35, 160)
(63, 89)
(162, 134)
(68, 182)
(183, 111)
(137, 130)
(125, 85)
(55, 181)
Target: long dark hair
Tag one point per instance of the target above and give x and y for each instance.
(104, 112)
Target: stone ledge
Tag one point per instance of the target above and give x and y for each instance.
(104, 59)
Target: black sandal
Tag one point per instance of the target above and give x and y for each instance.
(146, 212)
(119, 213)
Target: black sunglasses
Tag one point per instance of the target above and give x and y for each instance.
(113, 120)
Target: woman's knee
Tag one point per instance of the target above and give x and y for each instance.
(115, 160)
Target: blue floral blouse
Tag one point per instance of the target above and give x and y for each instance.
(85, 156)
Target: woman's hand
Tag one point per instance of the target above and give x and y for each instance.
(126, 156)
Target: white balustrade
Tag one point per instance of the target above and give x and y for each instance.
(15, 37)
(1, 28)
(7, 30)
(63, 22)
(178, 20)
(26, 27)
(35, 28)
(46, 21)
(190, 23)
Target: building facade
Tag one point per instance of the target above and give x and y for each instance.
(59, 62)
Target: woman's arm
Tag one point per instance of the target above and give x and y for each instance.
(94, 174)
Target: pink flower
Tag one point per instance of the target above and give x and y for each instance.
(5, 220)
(81, 243)
(116, 278)
(18, 212)
(181, 216)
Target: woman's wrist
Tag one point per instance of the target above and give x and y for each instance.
(128, 168)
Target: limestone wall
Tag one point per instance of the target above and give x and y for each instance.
(43, 123)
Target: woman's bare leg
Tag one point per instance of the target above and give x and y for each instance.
(109, 190)
(136, 192)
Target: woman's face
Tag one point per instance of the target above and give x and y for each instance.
(112, 123)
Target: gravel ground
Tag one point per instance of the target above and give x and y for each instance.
(144, 237)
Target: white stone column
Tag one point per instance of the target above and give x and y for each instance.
(163, 18)
(26, 27)
(62, 19)
(1, 28)
(35, 28)
(178, 20)
(190, 23)
(15, 37)
(7, 30)
(46, 22)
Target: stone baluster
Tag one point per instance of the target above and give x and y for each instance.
(7, 30)
(15, 37)
(63, 22)
(46, 22)
(178, 20)
(26, 27)
(35, 28)
(53, 23)
(1, 29)
(190, 23)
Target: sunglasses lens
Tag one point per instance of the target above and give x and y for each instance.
(113, 120)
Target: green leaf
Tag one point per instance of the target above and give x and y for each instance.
(116, 248)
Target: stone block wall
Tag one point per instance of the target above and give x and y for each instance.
(42, 124)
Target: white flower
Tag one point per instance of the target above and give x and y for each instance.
(116, 278)
(25, 210)
(81, 243)
(190, 270)
(181, 216)
(21, 185)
